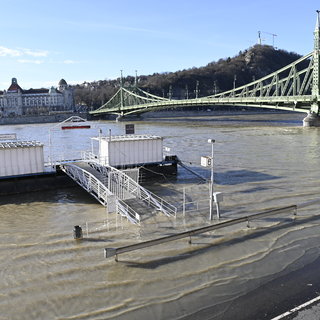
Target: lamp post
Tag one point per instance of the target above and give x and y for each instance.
(170, 92)
(212, 141)
(136, 79)
(197, 89)
(215, 87)
(216, 197)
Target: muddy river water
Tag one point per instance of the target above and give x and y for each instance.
(261, 161)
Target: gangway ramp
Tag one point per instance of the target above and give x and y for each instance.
(122, 185)
(94, 183)
(113, 189)
(89, 179)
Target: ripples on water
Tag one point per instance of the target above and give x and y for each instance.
(261, 162)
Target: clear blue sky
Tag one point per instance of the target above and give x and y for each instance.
(85, 40)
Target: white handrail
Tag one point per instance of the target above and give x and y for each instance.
(120, 182)
(97, 189)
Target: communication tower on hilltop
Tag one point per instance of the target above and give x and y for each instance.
(271, 34)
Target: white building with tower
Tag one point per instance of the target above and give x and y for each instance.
(16, 101)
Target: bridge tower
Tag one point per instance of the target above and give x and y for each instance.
(316, 68)
(313, 119)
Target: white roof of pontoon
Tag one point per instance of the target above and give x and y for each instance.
(128, 137)
(19, 144)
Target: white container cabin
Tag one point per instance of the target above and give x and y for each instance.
(21, 158)
(129, 150)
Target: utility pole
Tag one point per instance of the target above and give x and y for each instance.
(121, 80)
(259, 38)
(170, 92)
(273, 35)
(121, 92)
(215, 87)
(197, 89)
(187, 92)
(212, 141)
(136, 79)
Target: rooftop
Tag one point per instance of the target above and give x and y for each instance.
(128, 137)
(19, 144)
(35, 91)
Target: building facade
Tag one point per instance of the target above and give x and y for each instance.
(18, 102)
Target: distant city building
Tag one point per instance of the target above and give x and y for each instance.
(17, 102)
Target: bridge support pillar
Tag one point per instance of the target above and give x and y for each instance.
(312, 120)
(119, 118)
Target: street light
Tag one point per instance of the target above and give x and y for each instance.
(197, 89)
(216, 197)
(212, 141)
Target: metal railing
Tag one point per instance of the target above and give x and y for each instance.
(194, 206)
(124, 187)
(100, 191)
(109, 252)
(87, 181)
(127, 212)
(89, 156)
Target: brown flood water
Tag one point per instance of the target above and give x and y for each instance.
(261, 162)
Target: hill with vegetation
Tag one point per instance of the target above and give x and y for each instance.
(217, 76)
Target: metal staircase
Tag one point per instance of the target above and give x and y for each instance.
(94, 183)
(112, 188)
(124, 187)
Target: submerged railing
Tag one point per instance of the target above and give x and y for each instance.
(110, 252)
(100, 191)
(124, 187)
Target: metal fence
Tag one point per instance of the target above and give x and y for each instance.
(288, 210)
(101, 192)
(124, 187)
